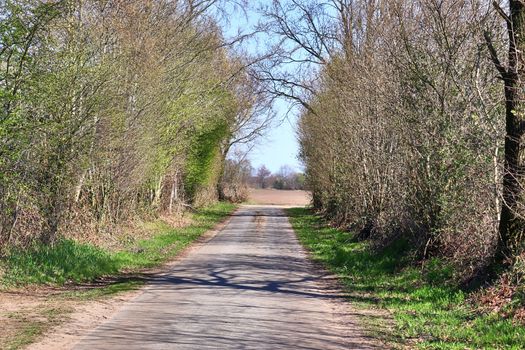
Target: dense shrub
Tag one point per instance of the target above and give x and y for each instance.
(113, 109)
(401, 131)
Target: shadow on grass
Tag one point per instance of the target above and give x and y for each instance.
(425, 306)
(67, 261)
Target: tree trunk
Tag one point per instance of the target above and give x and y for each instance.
(221, 195)
(512, 223)
(174, 195)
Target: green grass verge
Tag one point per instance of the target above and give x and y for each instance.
(428, 313)
(69, 261)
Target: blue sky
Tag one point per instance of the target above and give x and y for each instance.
(280, 146)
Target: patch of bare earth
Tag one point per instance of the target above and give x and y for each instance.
(58, 313)
(84, 317)
(279, 197)
(56, 318)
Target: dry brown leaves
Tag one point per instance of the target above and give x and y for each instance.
(501, 299)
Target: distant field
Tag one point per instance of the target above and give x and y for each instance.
(278, 197)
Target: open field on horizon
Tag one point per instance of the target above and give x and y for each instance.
(279, 197)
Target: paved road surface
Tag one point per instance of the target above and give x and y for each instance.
(250, 287)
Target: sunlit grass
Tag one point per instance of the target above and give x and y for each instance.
(428, 312)
(70, 261)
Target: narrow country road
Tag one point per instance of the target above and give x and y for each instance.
(250, 287)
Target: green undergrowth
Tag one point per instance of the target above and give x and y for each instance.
(69, 261)
(428, 311)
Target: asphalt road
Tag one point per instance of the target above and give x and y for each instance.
(250, 287)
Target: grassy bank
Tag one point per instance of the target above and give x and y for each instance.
(69, 261)
(428, 313)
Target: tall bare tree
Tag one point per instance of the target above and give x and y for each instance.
(512, 221)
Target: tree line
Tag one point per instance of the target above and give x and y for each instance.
(112, 109)
(411, 123)
(239, 176)
(286, 178)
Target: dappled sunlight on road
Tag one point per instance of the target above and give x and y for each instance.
(250, 287)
